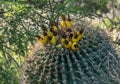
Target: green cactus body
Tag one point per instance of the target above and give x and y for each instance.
(96, 62)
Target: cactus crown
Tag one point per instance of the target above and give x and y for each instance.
(96, 62)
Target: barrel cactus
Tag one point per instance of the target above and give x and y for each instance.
(96, 62)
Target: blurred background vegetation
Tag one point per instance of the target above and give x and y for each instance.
(20, 20)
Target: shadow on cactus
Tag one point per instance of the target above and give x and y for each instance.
(96, 62)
